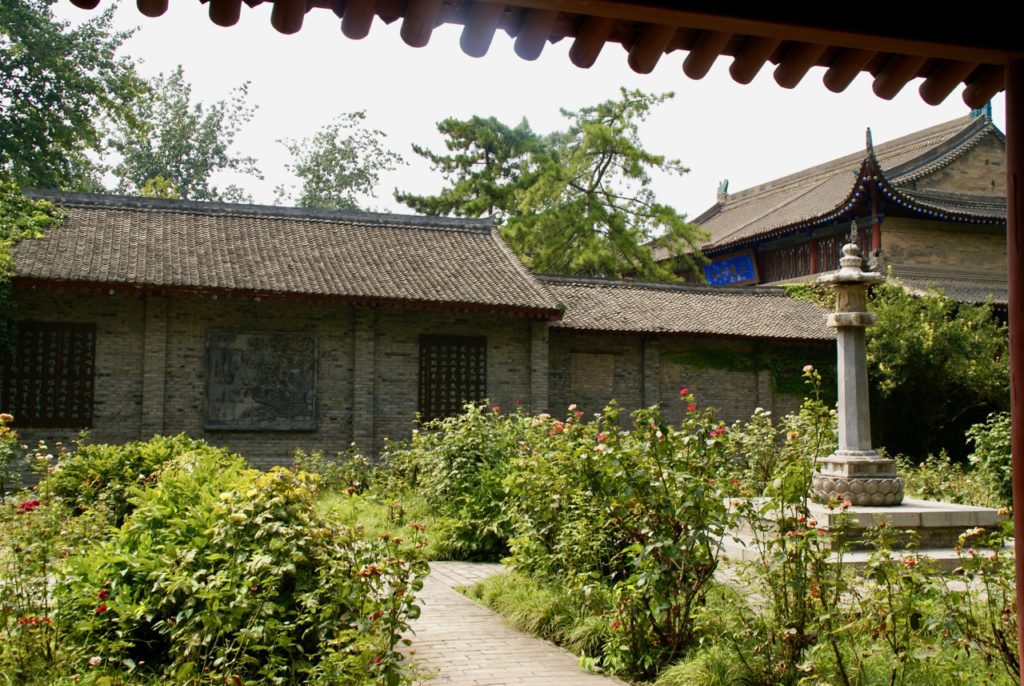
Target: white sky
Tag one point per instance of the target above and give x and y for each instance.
(716, 127)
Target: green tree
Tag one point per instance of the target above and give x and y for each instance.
(20, 218)
(59, 88)
(338, 165)
(577, 201)
(184, 142)
(489, 162)
(937, 366)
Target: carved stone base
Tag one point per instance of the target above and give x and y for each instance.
(862, 477)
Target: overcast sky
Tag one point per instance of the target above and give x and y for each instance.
(716, 127)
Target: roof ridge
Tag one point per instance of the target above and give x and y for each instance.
(558, 279)
(943, 154)
(209, 208)
(904, 144)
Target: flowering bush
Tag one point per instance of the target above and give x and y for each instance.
(10, 472)
(637, 512)
(222, 574)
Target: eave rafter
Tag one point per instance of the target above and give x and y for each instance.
(649, 30)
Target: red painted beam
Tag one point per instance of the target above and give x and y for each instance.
(1015, 309)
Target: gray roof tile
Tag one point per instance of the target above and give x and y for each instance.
(620, 306)
(814, 192)
(212, 246)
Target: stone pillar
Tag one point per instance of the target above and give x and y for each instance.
(364, 375)
(539, 367)
(855, 472)
(154, 367)
(652, 372)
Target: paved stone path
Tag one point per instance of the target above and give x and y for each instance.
(460, 643)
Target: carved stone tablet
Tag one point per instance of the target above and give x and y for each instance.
(262, 381)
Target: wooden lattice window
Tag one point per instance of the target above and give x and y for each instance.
(830, 248)
(788, 262)
(453, 371)
(48, 376)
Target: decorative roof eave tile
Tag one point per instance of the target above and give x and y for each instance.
(870, 173)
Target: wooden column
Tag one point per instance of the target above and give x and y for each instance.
(1015, 275)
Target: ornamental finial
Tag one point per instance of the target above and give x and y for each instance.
(867, 140)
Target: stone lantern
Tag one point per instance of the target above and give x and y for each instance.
(855, 472)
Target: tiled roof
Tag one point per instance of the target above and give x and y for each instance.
(622, 306)
(974, 291)
(148, 243)
(822, 189)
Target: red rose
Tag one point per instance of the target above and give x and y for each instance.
(103, 595)
(692, 407)
(101, 608)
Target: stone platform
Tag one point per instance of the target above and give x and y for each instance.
(937, 525)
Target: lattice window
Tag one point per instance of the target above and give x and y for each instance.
(48, 377)
(830, 248)
(453, 371)
(788, 262)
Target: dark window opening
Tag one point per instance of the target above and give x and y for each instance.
(47, 379)
(453, 372)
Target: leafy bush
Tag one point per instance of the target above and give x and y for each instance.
(459, 464)
(991, 456)
(639, 513)
(107, 475)
(36, 537)
(223, 574)
(10, 473)
(939, 477)
(349, 471)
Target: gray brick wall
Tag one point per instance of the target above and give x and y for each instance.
(151, 366)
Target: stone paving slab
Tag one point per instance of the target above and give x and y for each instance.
(459, 643)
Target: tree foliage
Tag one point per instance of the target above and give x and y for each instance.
(338, 165)
(20, 218)
(59, 87)
(577, 201)
(938, 366)
(184, 142)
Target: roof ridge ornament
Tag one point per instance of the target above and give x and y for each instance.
(983, 111)
(868, 143)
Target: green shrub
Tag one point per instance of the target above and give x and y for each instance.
(349, 471)
(10, 471)
(637, 513)
(991, 455)
(223, 574)
(938, 477)
(714, 665)
(109, 474)
(459, 464)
